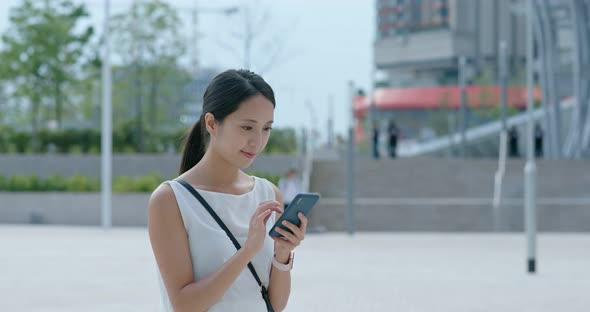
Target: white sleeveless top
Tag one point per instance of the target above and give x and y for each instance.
(210, 247)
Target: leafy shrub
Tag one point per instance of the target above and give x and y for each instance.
(79, 183)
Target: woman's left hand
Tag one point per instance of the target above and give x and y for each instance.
(288, 242)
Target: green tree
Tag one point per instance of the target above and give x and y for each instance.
(4, 111)
(282, 141)
(89, 87)
(148, 39)
(42, 54)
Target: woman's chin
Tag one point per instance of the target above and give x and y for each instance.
(242, 162)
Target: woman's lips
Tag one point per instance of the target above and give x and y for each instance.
(248, 155)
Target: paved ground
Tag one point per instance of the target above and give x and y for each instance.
(66, 269)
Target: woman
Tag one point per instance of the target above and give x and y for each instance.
(199, 267)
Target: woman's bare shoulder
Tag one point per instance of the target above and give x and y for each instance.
(162, 194)
(162, 202)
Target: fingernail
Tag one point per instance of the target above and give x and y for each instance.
(284, 222)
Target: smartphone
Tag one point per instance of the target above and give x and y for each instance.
(301, 203)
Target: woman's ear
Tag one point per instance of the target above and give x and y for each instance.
(210, 124)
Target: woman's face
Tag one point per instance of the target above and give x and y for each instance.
(244, 133)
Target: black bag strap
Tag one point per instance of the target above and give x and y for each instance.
(231, 237)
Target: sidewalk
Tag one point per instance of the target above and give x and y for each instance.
(67, 269)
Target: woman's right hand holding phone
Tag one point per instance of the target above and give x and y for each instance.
(257, 231)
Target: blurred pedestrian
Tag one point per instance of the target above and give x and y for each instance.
(538, 141)
(393, 133)
(290, 186)
(375, 141)
(513, 142)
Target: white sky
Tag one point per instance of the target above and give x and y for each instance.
(330, 44)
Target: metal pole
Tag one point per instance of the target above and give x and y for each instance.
(552, 63)
(462, 67)
(331, 123)
(530, 169)
(547, 78)
(586, 56)
(503, 82)
(477, 38)
(312, 127)
(107, 132)
(373, 110)
(452, 130)
(195, 56)
(585, 53)
(576, 62)
(544, 71)
(350, 165)
(499, 177)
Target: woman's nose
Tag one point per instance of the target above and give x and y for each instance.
(254, 141)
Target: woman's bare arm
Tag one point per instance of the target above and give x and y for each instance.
(279, 287)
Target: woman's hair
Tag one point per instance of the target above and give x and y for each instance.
(223, 96)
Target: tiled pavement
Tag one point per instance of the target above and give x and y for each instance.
(67, 269)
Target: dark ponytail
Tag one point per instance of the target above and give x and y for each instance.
(223, 96)
(194, 146)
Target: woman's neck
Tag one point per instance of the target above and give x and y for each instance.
(214, 171)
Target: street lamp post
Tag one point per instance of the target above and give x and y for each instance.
(498, 178)
(462, 86)
(577, 73)
(373, 111)
(530, 169)
(350, 219)
(462, 82)
(107, 124)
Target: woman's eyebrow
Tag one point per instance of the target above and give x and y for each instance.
(255, 121)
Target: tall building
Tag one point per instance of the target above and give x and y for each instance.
(419, 42)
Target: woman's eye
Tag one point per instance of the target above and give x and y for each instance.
(267, 129)
(247, 128)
